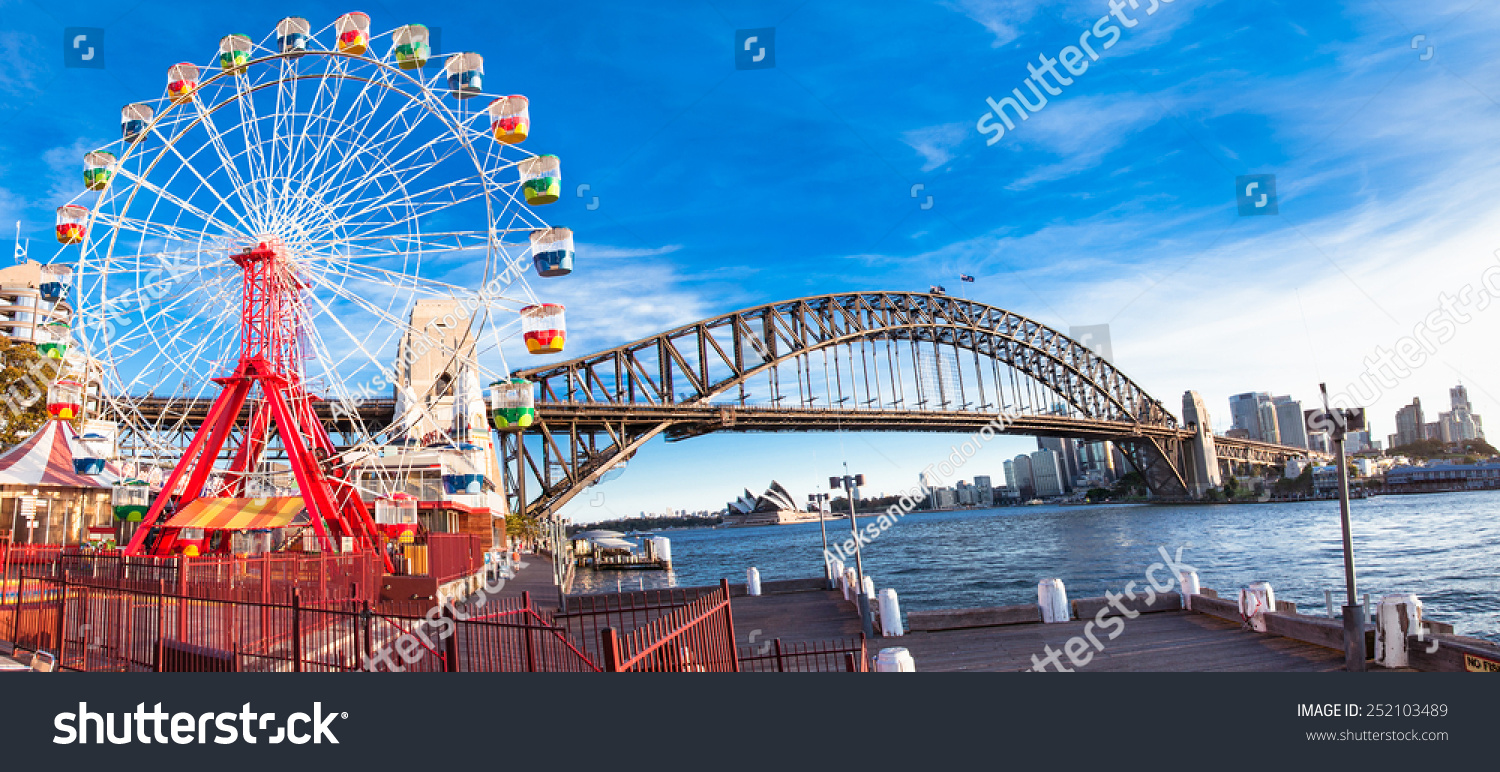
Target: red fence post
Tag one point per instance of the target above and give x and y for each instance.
(296, 630)
(610, 641)
(734, 659)
(527, 630)
(450, 645)
(62, 614)
(161, 625)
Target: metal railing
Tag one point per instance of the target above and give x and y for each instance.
(698, 637)
(774, 656)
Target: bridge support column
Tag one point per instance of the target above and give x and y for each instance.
(1201, 461)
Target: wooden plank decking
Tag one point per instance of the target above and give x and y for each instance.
(1171, 641)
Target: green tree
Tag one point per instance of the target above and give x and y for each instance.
(1098, 494)
(25, 377)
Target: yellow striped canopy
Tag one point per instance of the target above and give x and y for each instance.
(238, 514)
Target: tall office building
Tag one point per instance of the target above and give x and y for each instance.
(1289, 422)
(1244, 412)
(1411, 426)
(1023, 481)
(1458, 397)
(1047, 473)
(1067, 458)
(984, 490)
(1266, 415)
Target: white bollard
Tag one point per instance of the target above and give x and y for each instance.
(870, 588)
(662, 546)
(752, 582)
(1189, 587)
(1052, 597)
(849, 581)
(1398, 617)
(895, 660)
(1256, 601)
(890, 614)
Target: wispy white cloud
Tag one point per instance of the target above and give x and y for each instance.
(936, 143)
(1003, 18)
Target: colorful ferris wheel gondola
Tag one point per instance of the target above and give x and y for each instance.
(133, 121)
(552, 251)
(354, 33)
(65, 400)
(130, 499)
(182, 81)
(510, 119)
(465, 75)
(98, 169)
(544, 327)
(93, 450)
(52, 340)
(396, 517)
(234, 52)
(512, 404)
(292, 34)
(72, 224)
(411, 46)
(541, 179)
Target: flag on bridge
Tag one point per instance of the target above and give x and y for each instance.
(966, 277)
(938, 290)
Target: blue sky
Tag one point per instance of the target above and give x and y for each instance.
(721, 188)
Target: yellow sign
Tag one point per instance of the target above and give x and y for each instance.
(1477, 664)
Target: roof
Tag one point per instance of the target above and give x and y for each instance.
(46, 458)
(240, 514)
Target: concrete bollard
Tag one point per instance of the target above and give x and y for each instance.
(1398, 617)
(1189, 587)
(895, 660)
(752, 582)
(850, 579)
(890, 614)
(870, 587)
(662, 546)
(1052, 597)
(1256, 601)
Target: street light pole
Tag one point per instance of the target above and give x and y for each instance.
(1354, 612)
(849, 483)
(820, 500)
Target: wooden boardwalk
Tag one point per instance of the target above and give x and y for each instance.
(1170, 641)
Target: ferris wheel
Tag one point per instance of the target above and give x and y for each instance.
(292, 202)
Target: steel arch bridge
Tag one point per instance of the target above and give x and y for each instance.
(863, 361)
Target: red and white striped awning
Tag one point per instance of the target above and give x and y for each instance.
(46, 458)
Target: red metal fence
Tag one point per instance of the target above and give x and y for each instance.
(98, 628)
(774, 656)
(698, 637)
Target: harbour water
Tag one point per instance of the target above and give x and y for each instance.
(1441, 547)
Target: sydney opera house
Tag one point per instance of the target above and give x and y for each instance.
(777, 505)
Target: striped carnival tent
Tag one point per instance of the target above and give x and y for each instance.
(51, 456)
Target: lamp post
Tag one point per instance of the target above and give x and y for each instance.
(819, 501)
(849, 483)
(1342, 421)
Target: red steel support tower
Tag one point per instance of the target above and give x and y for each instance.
(271, 358)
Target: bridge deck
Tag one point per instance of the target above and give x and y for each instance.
(1173, 641)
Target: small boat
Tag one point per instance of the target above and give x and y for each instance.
(1034, 503)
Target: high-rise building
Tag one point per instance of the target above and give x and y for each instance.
(1244, 412)
(1410, 424)
(985, 491)
(1067, 458)
(1289, 422)
(1023, 481)
(1458, 397)
(1266, 415)
(1047, 473)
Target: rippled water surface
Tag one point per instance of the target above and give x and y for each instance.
(1443, 547)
